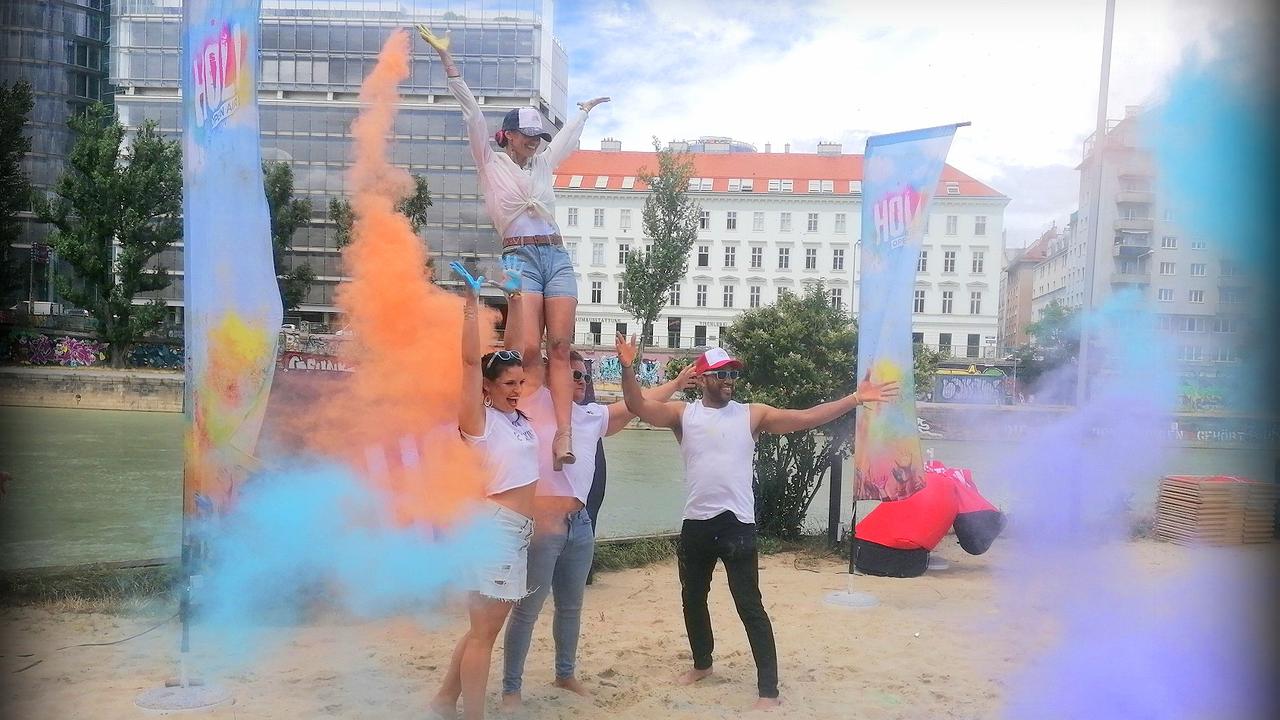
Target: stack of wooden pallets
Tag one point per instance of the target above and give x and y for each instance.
(1215, 509)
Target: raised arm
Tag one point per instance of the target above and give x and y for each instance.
(513, 335)
(779, 421)
(659, 414)
(471, 404)
(619, 415)
(566, 141)
(477, 131)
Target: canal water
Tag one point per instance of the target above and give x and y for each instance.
(105, 486)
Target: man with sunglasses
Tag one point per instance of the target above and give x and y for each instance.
(717, 439)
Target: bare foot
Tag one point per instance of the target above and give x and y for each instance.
(512, 701)
(691, 676)
(440, 709)
(573, 685)
(765, 703)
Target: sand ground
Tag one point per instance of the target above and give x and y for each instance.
(939, 646)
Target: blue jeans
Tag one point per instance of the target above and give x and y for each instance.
(559, 560)
(547, 270)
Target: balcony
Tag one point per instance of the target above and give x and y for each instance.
(1144, 197)
(1134, 225)
(1132, 246)
(1135, 277)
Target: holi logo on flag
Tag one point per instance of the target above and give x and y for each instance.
(894, 216)
(220, 76)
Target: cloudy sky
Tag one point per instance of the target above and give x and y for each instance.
(1025, 73)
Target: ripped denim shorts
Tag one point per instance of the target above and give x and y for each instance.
(506, 577)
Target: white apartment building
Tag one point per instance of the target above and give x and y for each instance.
(1200, 296)
(1054, 270)
(772, 222)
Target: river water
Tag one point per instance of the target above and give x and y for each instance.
(104, 486)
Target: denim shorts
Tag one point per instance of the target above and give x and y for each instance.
(547, 270)
(506, 577)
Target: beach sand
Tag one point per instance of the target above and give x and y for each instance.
(938, 646)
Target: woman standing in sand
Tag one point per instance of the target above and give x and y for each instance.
(520, 200)
(489, 418)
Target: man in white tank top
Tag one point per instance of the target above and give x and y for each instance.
(717, 441)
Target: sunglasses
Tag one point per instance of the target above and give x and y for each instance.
(579, 375)
(723, 374)
(503, 355)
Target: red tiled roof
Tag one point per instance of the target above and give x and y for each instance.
(760, 167)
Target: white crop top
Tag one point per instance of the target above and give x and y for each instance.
(510, 446)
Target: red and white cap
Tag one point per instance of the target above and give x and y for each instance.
(714, 359)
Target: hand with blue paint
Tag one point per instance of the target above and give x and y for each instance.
(512, 275)
(474, 282)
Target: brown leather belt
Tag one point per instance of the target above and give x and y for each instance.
(519, 240)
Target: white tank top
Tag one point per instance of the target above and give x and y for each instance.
(718, 452)
(510, 446)
(589, 422)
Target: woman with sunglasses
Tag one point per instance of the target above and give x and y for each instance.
(520, 200)
(489, 417)
(563, 540)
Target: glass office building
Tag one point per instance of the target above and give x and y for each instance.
(60, 48)
(314, 54)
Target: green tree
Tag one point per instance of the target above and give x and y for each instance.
(1055, 343)
(413, 206)
(15, 187)
(288, 213)
(114, 208)
(671, 219)
(797, 352)
(926, 362)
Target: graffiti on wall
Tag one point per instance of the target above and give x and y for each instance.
(607, 369)
(156, 355)
(988, 386)
(28, 348)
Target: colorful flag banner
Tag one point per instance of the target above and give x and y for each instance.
(900, 174)
(232, 300)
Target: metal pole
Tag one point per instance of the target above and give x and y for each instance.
(833, 508)
(1091, 244)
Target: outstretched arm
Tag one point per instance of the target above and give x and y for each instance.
(779, 421)
(620, 415)
(477, 131)
(471, 405)
(659, 414)
(566, 141)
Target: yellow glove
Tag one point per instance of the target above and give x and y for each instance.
(441, 44)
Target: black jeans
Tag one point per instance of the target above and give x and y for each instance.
(725, 538)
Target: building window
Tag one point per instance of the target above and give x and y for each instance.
(622, 293)
(624, 218)
(837, 298)
(972, 344)
(597, 253)
(673, 332)
(731, 220)
(757, 257)
(596, 331)
(673, 295)
(700, 296)
(624, 252)
(704, 256)
(980, 225)
(620, 328)
(840, 222)
(1169, 242)
(728, 296)
(597, 291)
(815, 186)
(699, 336)
(1199, 269)
(1195, 296)
(784, 222)
(813, 222)
(1225, 325)
(948, 297)
(837, 258)
(949, 261)
(978, 260)
(1166, 268)
(1232, 295)
(573, 217)
(917, 339)
(597, 219)
(922, 262)
(811, 258)
(975, 303)
(944, 344)
(1197, 244)
(704, 220)
(784, 258)
(1164, 294)
(1226, 268)
(917, 305)
(1191, 353)
(953, 224)
(757, 221)
(730, 256)
(753, 296)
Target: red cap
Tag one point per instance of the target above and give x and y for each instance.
(714, 359)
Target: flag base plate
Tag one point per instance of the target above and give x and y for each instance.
(192, 697)
(851, 599)
(937, 563)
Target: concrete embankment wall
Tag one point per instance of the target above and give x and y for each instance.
(91, 389)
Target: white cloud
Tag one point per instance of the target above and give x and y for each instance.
(1024, 73)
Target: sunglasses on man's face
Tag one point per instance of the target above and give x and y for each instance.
(578, 375)
(723, 374)
(503, 355)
